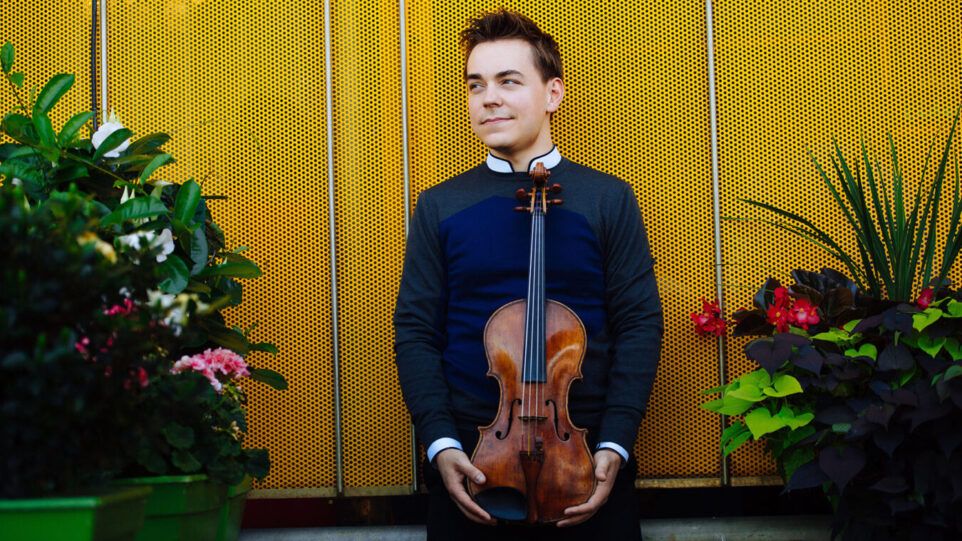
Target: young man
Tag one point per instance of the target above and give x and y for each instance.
(467, 255)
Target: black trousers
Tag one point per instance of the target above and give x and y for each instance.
(617, 520)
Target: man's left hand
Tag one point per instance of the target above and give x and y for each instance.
(607, 464)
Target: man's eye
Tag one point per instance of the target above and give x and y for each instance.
(474, 86)
(511, 82)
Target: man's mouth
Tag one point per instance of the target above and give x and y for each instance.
(495, 120)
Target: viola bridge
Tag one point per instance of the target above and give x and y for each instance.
(532, 418)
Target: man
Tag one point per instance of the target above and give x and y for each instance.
(467, 255)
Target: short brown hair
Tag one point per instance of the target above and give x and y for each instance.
(504, 24)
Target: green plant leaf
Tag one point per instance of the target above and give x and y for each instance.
(233, 270)
(794, 421)
(952, 372)
(931, 345)
(758, 378)
(713, 390)
(16, 79)
(761, 422)
(229, 339)
(866, 350)
(728, 405)
(45, 132)
(736, 442)
(174, 274)
(269, 377)
(926, 318)
(56, 87)
(154, 164)
(953, 309)
(112, 141)
(148, 143)
(953, 348)
(265, 347)
(136, 208)
(151, 460)
(70, 129)
(188, 196)
(750, 393)
(7, 57)
(178, 436)
(783, 385)
(185, 461)
(198, 249)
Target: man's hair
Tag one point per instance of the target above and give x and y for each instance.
(503, 24)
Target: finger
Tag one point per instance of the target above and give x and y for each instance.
(468, 506)
(601, 472)
(474, 517)
(574, 520)
(472, 473)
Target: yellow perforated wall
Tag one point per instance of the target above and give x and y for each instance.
(793, 75)
(241, 88)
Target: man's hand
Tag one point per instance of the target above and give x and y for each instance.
(607, 463)
(455, 467)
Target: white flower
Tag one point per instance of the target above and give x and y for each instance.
(103, 132)
(165, 241)
(16, 181)
(126, 196)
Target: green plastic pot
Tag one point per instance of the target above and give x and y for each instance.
(182, 507)
(106, 514)
(232, 513)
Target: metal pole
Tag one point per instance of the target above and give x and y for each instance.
(716, 193)
(103, 61)
(329, 100)
(407, 196)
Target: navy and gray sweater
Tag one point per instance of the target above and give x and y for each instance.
(467, 255)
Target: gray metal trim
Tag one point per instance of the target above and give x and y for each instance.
(329, 101)
(405, 127)
(103, 62)
(716, 208)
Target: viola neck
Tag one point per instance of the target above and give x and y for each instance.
(534, 326)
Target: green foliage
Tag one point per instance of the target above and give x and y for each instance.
(172, 260)
(895, 240)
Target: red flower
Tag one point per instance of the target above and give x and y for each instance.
(804, 314)
(925, 299)
(709, 321)
(780, 316)
(781, 297)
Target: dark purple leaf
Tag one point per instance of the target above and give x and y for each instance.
(931, 365)
(891, 484)
(925, 414)
(859, 404)
(834, 359)
(902, 504)
(895, 357)
(807, 475)
(841, 467)
(957, 398)
(949, 441)
(880, 414)
(768, 353)
(834, 415)
(859, 429)
(942, 328)
(908, 309)
(879, 387)
(925, 469)
(753, 323)
(888, 440)
(848, 372)
(896, 321)
(905, 397)
(934, 518)
(763, 299)
(810, 294)
(868, 323)
(808, 358)
(830, 383)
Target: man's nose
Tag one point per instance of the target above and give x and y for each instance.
(491, 95)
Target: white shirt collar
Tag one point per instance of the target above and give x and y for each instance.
(500, 165)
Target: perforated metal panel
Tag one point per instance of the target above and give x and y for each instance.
(636, 106)
(370, 228)
(240, 87)
(793, 75)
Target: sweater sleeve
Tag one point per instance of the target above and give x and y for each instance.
(634, 320)
(419, 338)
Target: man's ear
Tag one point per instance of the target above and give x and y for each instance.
(555, 94)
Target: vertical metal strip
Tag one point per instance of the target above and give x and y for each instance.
(716, 193)
(329, 101)
(103, 62)
(407, 193)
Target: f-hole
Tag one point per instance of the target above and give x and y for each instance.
(498, 434)
(557, 429)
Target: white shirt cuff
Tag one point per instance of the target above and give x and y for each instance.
(441, 444)
(614, 447)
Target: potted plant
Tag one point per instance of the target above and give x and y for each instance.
(75, 364)
(858, 389)
(190, 425)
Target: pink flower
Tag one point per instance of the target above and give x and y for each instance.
(804, 314)
(925, 298)
(709, 321)
(780, 317)
(210, 363)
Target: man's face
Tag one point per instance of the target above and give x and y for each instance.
(508, 102)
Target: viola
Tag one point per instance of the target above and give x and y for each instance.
(536, 461)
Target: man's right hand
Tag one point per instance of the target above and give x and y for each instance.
(455, 467)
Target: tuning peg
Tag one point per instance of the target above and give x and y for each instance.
(521, 195)
(556, 188)
(555, 201)
(522, 209)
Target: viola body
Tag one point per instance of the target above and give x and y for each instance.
(537, 463)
